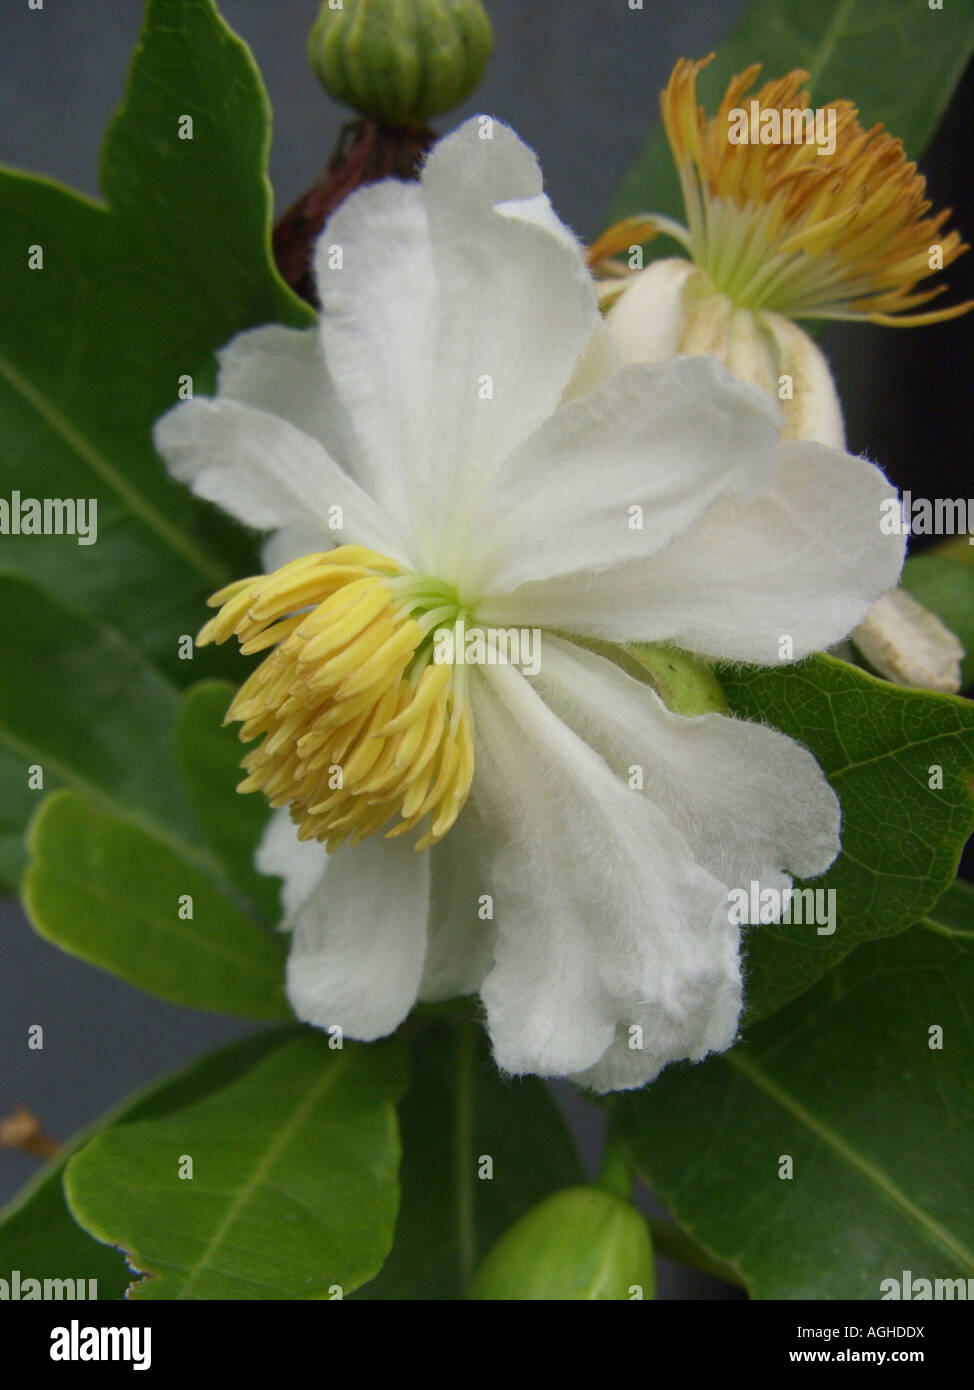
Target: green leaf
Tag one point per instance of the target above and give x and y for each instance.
(294, 1179)
(116, 895)
(132, 296)
(457, 1113)
(209, 755)
(946, 587)
(898, 63)
(878, 1123)
(879, 745)
(38, 1235)
(95, 707)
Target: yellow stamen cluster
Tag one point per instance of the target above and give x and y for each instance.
(791, 227)
(359, 724)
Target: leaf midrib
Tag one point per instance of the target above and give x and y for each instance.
(260, 1170)
(888, 1190)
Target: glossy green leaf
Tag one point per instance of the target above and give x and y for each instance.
(885, 750)
(293, 1192)
(898, 62)
(118, 895)
(133, 296)
(39, 1236)
(209, 756)
(852, 1085)
(87, 709)
(946, 587)
(460, 1122)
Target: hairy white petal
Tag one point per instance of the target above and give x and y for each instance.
(380, 303)
(359, 940)
(752, 803)
(603, 915)
(267, 473)
(768, 581)
(283, 371)
(616, 474)
(460, 945)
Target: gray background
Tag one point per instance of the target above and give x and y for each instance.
(578, 79)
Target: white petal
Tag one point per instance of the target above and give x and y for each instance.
(517, 311)
(603, 916)
(909, 645)
(374, 273)
(299, 864)
(647, 320)
(804, 562)
(752, 803)
(282, 371)
(654, 445)
(359, 940)
(267, 473)
(292, 541)
(460, 944)
(815, 411)
(596, 364)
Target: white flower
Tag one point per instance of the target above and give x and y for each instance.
(774, 235)
(457, 404)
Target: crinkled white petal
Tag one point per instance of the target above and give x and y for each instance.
(618, 473)
(358, 942)
(460, 934)
(768, 581)
(267, 473)
(603, 915)
(753, 804)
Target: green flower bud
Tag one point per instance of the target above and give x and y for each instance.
(579, 1244)
(400, 61)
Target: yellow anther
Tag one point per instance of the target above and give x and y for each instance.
(358, 726)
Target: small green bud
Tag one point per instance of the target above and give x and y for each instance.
(400, 61)
(580, 1244)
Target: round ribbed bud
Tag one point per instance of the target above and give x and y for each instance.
(400, 61)
(581, 1244)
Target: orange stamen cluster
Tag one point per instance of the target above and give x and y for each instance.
(806, 234)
